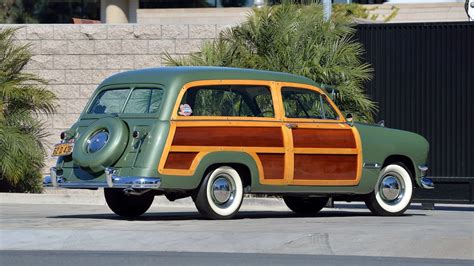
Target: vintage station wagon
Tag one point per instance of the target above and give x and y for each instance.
(215, 134)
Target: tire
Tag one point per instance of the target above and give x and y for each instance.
(128, 206)
(394, 198)
(220, 204)
(305, 206)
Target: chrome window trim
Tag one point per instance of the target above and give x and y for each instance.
(372, 166)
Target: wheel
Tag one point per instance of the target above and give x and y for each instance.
(392, 193)
(128, 206)
(305, 206)
(220, 194)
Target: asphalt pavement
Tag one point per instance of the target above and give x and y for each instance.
(347, 234)
(114, 258)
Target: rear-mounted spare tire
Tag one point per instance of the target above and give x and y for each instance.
(101, 144)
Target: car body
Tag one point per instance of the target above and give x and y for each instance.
(164, 131)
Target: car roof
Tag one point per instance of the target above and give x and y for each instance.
(175, 77)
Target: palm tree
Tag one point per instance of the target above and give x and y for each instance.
(294, 38)
(22, 97)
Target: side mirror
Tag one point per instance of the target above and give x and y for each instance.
(381, 123)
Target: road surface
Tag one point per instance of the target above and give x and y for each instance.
(348, 233)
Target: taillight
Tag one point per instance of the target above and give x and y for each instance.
(136, 134)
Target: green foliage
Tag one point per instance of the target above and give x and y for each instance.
(295, 39)
(350, 10)
(22, 97)
(393, 14)
(359, 11)
(46, 11)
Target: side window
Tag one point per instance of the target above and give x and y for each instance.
(329, 112)
(303, 103)
(227, 100)
(264, 103)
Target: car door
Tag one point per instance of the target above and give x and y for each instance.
(231, 115)
(324, 149)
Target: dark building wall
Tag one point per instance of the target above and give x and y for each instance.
(423, 82)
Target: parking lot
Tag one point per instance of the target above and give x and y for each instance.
(348, 229)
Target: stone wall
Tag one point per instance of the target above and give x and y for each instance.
(76, 58)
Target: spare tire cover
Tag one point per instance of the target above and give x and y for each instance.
(110, 136)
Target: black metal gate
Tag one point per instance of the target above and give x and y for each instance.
(424, 82)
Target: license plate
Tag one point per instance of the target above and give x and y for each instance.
(63, 149)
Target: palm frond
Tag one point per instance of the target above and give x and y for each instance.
(295, 38)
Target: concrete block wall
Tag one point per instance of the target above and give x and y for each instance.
(76, 58)
(421, 12)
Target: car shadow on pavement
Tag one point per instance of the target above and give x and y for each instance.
(189, 216)
(416, 206)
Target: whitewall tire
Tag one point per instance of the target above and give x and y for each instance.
(393, 191)
(220, 194)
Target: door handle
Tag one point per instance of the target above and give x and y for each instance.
(291, 125)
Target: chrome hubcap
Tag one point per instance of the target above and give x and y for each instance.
(222, 190)
(391, 188)
(97, 141)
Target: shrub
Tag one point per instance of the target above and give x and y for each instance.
(23, 97)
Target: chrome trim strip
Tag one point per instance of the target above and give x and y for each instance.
(372, 166)
(427, 183)
(90, 185)
(423, 169)
(101, 185)
(109, 173)
(113, 180)
(54, 180)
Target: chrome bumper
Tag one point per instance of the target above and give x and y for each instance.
(426, 182)
(112, 181)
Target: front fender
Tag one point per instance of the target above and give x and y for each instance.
(221, 157)
(378, 143)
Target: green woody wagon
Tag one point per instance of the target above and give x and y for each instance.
(215, 134)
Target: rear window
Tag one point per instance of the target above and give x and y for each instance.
(127, 101)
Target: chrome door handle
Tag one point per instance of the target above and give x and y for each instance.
(291, 125)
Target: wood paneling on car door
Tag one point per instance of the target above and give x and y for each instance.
(325, 167)
(228, 136)
(326, 155)
(323, 138)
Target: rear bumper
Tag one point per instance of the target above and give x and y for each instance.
(112, 181)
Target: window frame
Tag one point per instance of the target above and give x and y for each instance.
(269, 84)
(282, 85)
